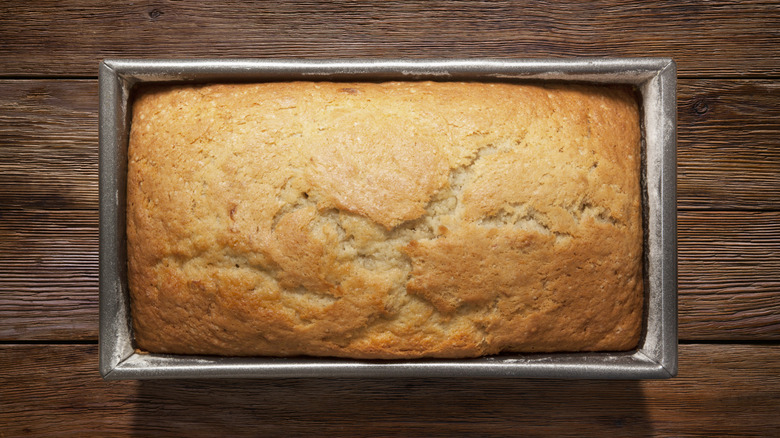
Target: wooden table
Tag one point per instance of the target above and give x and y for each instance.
(729, 217)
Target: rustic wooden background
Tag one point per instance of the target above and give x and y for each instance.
(729, 217)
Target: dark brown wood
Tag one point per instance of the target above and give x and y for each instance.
(48, 144)
(729, 144)
(707, 38)
(721, 389)
(48, 209)
(728, 158)
(729, 282)
(729, 196)
(48, 274)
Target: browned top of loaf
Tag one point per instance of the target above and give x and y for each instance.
(392, 220)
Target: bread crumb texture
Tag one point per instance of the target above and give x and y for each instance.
(392, 220)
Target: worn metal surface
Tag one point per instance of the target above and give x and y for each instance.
(656, 356)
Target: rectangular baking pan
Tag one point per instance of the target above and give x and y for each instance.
(656, 356)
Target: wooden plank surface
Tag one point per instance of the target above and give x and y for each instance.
(48, 210)
(48, 144)
(56, 390)
(719, 38)
(728, 152)
(729, 200)
(728, 283)
(728, 144)
(48, 274)
(729, 275)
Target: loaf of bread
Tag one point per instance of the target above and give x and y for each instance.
(384, 220)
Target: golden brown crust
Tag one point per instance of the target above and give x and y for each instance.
(394, 220)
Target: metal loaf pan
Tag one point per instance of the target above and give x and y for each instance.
(656, 356)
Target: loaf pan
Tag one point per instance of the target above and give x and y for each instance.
(656, 356)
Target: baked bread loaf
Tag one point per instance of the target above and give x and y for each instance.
(384, 220)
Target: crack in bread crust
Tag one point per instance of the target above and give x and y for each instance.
(384, 220)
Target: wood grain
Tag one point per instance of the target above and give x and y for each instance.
(56, 390)
(728, 283)
(48, 210)
(729, 196)
(728, 275)
(728, 151)
(48, 274)
(728, 144)
(719, 38)
(48, 144)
